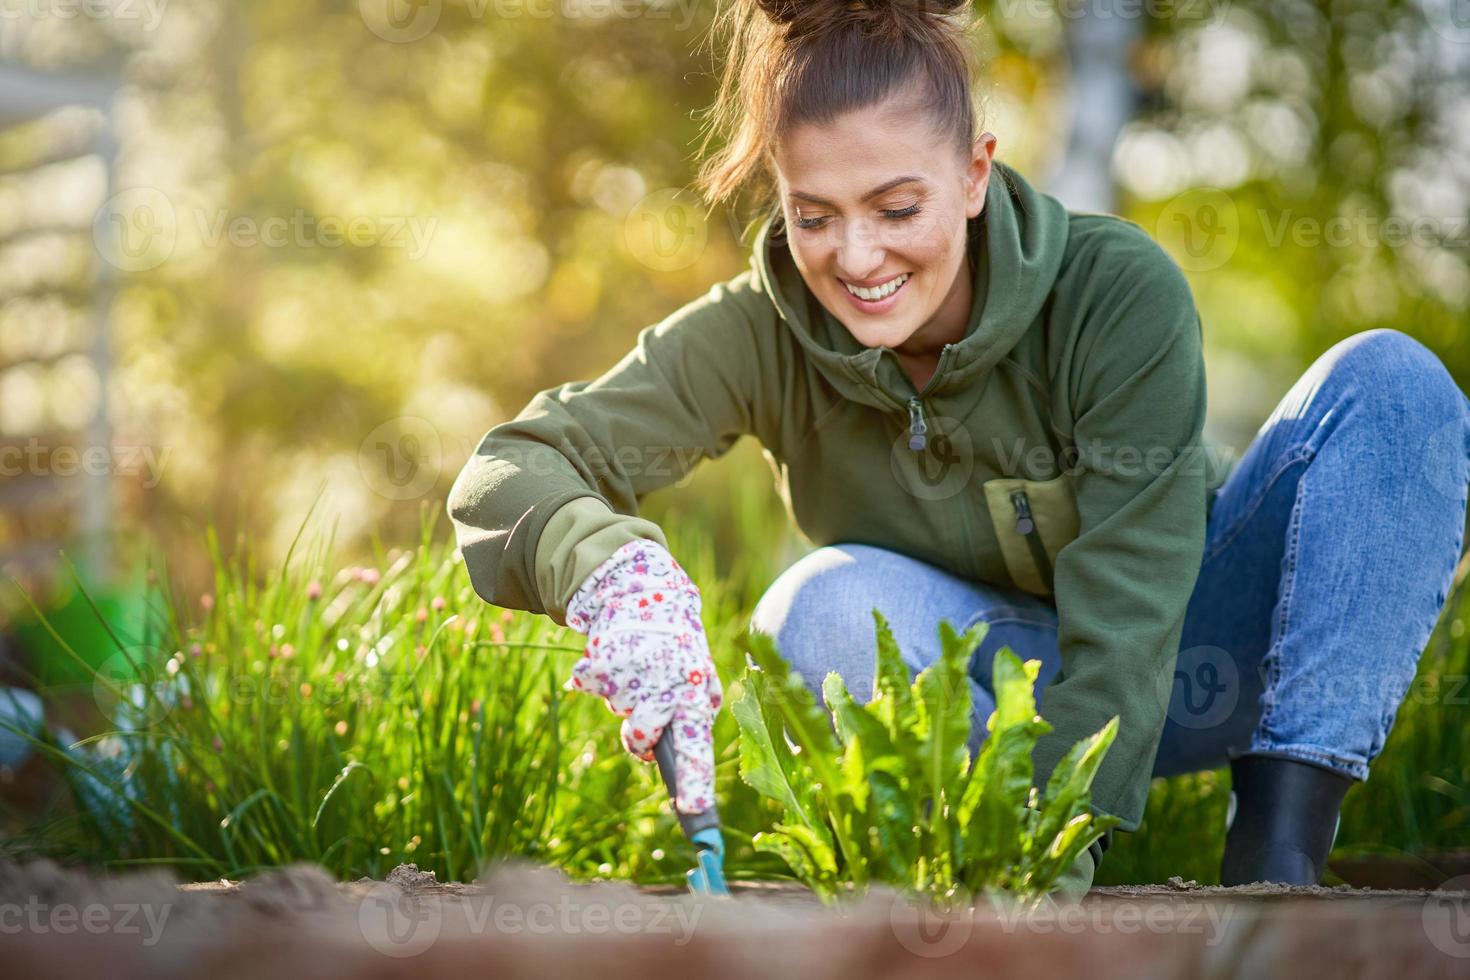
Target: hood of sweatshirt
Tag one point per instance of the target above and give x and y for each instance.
(1017, 243)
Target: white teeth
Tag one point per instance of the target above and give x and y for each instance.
(877, 292)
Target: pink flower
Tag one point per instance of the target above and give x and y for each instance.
(438, 604)
(206, 602)
(368, 576)
(314, 590)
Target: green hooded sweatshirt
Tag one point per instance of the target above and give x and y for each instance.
(1057, 449)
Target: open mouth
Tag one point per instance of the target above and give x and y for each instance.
(876, 299)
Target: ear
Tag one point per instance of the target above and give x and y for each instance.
(977, 173)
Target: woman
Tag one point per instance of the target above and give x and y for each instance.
(980, 406)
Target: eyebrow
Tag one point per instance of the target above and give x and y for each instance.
(886, 186)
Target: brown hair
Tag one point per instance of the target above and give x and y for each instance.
(799, 61)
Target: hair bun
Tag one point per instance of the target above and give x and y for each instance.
(787, 11)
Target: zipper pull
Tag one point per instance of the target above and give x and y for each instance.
(1026, 526)
(1024, 522)
(917, 428)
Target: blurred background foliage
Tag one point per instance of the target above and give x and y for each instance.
(1307, 163)
(500, 155)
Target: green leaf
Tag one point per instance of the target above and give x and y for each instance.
(1068, 791)
(893, 824)
(893, 794)
(942, 695)
(892, 696)
(1015, 701)
(764, 766)
(799, 860)
(817, 843)
(858, 725)
(992, 812)
(788, 709)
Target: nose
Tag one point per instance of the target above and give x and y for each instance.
(859, 254)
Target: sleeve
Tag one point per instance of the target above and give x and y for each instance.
(1123, 584)
(550, 494)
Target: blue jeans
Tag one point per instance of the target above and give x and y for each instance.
(1329, 553)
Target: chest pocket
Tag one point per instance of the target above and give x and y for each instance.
(1033, 520)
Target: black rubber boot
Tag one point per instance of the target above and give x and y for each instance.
(1285, 817)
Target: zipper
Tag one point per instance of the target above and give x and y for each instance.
(918, 440)
(918, 428)
(1026, 526)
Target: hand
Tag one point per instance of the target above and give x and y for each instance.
(649, 658)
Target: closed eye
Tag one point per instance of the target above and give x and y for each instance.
(896, 214)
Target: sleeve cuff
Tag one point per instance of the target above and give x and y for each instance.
(581, 535)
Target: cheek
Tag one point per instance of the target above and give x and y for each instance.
(808, 258)
(934, 245)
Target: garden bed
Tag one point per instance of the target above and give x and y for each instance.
(526, 921)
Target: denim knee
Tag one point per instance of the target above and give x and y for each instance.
(1395, 368)
(819, 612)
(1413, 403)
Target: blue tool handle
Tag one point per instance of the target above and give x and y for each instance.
(692, 823)
(702, 829)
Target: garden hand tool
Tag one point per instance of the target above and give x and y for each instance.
(707, 877)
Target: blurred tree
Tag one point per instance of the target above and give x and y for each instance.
(389, 224)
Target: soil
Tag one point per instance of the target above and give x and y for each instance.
(521, 920)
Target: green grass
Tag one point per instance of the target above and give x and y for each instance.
(393, 716)
(397, 717)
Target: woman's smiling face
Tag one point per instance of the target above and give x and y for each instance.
(876, 206)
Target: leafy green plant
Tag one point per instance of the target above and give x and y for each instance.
(887, 791)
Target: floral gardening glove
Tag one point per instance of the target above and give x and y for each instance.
(648, 657)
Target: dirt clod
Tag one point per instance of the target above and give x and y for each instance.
(410, 878)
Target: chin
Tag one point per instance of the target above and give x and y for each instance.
(871, 334)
